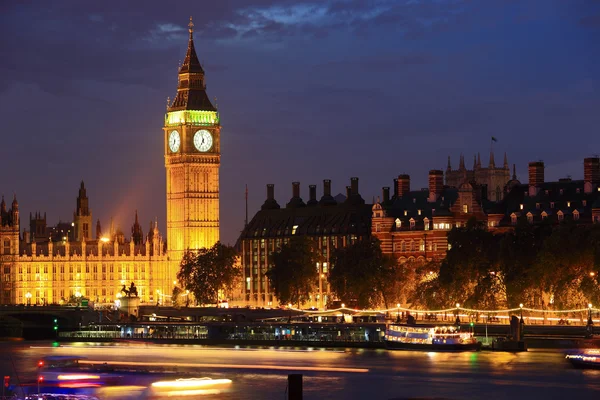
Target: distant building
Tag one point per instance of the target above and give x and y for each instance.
(495, 178)
(566, 200)
(413, 225)
(331, 222)
(48, 266)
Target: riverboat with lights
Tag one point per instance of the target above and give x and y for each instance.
(585, 359)
(429, 338)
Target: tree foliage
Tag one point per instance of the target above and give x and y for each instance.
(208, 271)
(294, 276)
(363, 276)
(543, 266)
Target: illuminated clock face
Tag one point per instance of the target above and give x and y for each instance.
(203, 140)
(174, 141)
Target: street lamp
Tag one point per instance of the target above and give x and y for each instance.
(28, 295)
(398, 317)
(590, 322)
(521, 307)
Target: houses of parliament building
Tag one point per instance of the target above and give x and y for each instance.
(50, 265)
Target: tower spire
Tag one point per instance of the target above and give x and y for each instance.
(449, 168)
(492, 162)
(191, 90)
(462, 162)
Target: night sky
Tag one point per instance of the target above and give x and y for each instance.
(306, 91)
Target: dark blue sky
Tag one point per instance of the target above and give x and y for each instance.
(306, 91)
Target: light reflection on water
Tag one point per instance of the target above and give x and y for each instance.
(391, 374)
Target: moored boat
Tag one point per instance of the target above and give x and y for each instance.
(429, 338)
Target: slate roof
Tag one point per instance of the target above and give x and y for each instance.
(347, 218)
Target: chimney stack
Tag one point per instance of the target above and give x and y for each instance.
(270, 203)
(536, 176)
(591, 173)
(326, 187)
(386, 194)
(436, 184)
(295, 189)
(348, 192)
(403, 185)
(354, 186)
(312, 190)
(327, 200)
(295, 201)
(270, 191)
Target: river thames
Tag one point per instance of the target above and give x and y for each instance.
(261, 373)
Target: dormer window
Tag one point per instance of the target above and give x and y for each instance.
(576, 215)
(561, 216)
(426, 222)
(530, 217)
(412, 223)
(513, 218)
(544, 215)
(398, 223)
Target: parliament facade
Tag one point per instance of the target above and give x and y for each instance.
(53, 265)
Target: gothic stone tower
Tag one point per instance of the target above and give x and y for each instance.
(82, 217)
(192, 158)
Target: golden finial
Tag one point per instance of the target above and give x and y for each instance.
(191, 25)
(168, 102)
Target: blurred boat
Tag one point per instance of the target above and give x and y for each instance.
(589, 358)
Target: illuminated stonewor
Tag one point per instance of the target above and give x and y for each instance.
(192, 159)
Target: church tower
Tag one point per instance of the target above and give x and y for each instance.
(192, 147)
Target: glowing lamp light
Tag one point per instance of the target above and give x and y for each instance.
(457, 305)
(343, 305)
(398, 305)
(590, 305)
(592, 274)
(40, 363)
(521, 305)
(289, 305)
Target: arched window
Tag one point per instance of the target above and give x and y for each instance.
(402, 246)
(576, 215)
(422, 245)
(412, 223)
(412, 245)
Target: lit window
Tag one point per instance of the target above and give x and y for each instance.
(426, 222)
(520, 206)
(419, 212)
(402, 246)
(377, 228)
(405, 213)
(422, 245)
(294, 229)
(560, 215)
(449, 246)
(412, 223)
(398, 223)
(465, 208)
(568, 204)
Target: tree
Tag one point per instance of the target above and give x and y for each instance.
(362, 274)
(206, 272)
(293, 275)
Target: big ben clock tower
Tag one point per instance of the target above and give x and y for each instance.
(192, 158)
